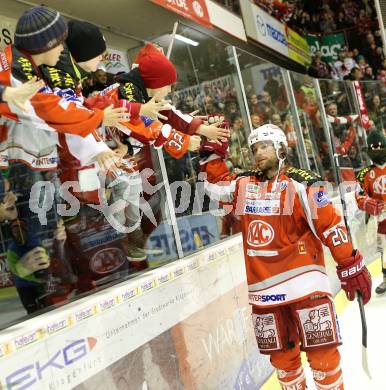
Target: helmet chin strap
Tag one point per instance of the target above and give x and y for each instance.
(281, 161)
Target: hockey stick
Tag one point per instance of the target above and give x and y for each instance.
(329, 137)
(365, 362)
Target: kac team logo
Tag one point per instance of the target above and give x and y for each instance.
(260, 233)
(380, 185)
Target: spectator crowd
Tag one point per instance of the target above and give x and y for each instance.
(361, 58)
(85, 147)
(101, 132)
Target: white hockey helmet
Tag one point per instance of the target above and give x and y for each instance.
(268, 132)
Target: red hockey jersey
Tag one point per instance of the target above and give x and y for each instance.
(372, 181)
(284, 228)
(46, 110)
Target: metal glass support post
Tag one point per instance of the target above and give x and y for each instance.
(193, 65)
(337, 173)
(326, 127)
(381, 24)
(173, 37)
(301, 146)
(161, 160)
(243, 94)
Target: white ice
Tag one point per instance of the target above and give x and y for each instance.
(351, 350)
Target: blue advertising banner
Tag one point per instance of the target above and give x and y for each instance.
(196, 231)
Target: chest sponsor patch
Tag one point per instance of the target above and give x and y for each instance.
(254, 191)
(253, 188)
(263, 195)
(262, 207)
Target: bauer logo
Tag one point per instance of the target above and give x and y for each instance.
(33, 372)
(260, 233)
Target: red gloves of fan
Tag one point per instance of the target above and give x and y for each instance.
(354, 277)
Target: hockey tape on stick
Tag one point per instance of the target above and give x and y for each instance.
(365, 361)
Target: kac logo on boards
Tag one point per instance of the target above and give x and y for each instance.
(198, 9)
(33, 372)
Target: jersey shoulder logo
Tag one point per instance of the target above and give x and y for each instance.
(303, 175)
(362, 173)
(255, 172)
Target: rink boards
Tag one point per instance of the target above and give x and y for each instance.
(185, 325)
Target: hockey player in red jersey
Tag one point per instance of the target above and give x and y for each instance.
(286, 219)
(371, 195)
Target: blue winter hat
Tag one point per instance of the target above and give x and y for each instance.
(40, 29)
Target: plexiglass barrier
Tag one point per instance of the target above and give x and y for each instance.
(60, 243)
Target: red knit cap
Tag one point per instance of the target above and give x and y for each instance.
(155, 69)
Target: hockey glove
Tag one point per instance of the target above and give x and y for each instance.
(208, 146)
(373, 206)
(354, 277)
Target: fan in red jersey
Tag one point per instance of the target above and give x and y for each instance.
(371, 196)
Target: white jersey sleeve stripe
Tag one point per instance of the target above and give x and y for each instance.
(221, 192)
(303, 198)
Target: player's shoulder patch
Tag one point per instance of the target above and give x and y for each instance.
(303, 175)
(363, 172)
(254, 172)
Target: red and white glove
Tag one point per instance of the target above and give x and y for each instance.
(208, 146)
(354, 277)
(373, 206)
